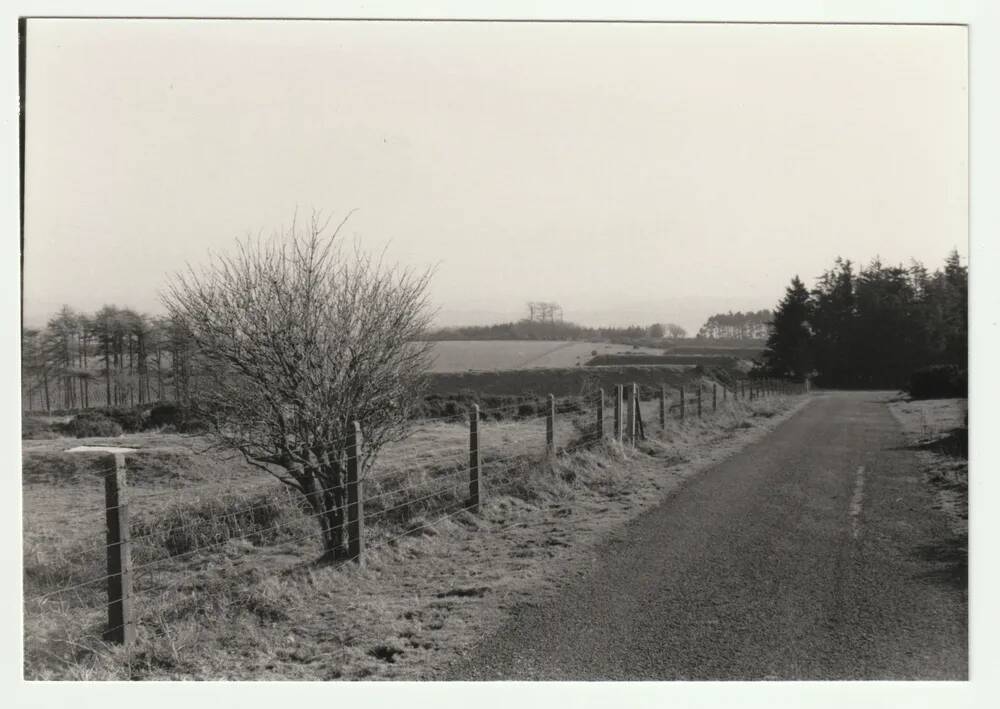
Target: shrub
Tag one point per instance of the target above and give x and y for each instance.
(176, 417)
(92, 424)
(939, 381)
(164, 415)
(131, 420)
(36, 429)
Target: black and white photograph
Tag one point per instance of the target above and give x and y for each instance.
(451, 350)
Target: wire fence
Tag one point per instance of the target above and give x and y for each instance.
(407, 489)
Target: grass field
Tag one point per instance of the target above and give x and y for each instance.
(488, 355)
(566, 381)
(224, 574)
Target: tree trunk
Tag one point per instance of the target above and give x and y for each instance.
(45, 380)
(107, 369)
(159, 375)
(327, 499)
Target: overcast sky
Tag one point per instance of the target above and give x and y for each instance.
(632, 173)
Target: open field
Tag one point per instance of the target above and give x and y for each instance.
(488, 355)
(636, 358)
(224, 576)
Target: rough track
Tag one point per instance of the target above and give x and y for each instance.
(814, 554)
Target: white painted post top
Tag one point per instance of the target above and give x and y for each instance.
(100, 449)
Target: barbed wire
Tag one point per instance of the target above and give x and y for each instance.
(272, 528)
(379, 513)
(269, 529)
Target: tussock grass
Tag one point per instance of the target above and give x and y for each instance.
(241, 596)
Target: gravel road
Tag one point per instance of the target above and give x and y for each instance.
(813, 554)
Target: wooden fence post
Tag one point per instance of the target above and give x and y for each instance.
(683, 402)
(725, 392)
(550, 426)
(121, 629)
(633, 403)
(475, 459)
(715, 398)
(600, 414)
(355, 497)
(699, 399)
(663, 406)
(619, 424)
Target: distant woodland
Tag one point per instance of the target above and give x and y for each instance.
(737, 326)
(117, 357)
(114, 357)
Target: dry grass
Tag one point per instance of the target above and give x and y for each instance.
(227, 585)
(938, 430)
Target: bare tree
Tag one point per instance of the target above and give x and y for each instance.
(296, 341)
(544, 312)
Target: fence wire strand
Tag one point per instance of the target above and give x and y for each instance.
(431, 487)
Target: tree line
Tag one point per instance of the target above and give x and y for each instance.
(113, 357)
(528, 329)
(751, 325)
(872, 327)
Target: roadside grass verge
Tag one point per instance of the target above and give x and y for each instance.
(937, 429)
(227, 586)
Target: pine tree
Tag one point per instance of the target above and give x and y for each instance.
(833, 314)
(788, 352)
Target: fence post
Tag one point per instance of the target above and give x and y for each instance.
(725, 392)
(474, 458)
(355, 497)
(715, 397)
(550, 426)
(633, 402)
(699, 399)
(618, 412)
(600, 414)
(639, 426)
(120, 627)
(663, 406)
(683, 402)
